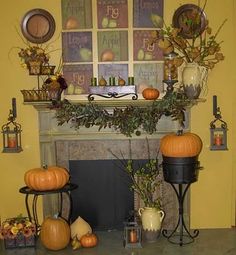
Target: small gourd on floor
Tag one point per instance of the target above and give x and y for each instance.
(89, 240)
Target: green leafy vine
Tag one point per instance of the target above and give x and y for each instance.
(127, 120)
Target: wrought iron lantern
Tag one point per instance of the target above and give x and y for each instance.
(12, 132)
(218, 129)
(132, 235)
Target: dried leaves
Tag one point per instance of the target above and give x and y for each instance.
(202, 48)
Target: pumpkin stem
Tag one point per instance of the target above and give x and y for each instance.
(180, 132)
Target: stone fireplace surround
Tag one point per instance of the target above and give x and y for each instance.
(59, 144)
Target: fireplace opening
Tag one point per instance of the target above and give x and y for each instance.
(103, 197)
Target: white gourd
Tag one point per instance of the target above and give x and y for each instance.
(79, 228)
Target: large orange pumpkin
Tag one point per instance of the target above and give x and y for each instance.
(55, 233)
(48, 178)
(89, 240)
(150, 93)
(181, 145)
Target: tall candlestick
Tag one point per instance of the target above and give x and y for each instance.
(214, 105)
(14, 107)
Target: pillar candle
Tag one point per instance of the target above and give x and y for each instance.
(133, 236)
(11, 142)
(218, 140)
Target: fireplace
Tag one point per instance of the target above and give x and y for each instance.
(62, 144)
(103, 197)
(68, 151)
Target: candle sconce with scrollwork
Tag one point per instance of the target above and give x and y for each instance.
(12, 132)
(218, 129)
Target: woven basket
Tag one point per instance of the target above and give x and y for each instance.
(36, 95)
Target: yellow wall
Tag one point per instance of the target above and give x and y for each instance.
(212, 197)
(13, 79)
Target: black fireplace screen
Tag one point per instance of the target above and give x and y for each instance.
(103, 197)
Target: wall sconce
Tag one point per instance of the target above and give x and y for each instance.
(218, 133)
(12, 132)
(132, 235)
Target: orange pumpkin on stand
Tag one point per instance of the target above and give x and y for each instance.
(46, 178)
(181, 145)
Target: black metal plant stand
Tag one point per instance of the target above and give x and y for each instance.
(180, 235)
(180, 173)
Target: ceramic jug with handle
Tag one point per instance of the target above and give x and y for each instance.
(151, 218)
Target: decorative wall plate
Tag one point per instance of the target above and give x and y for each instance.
(38, 26)
(191, 19)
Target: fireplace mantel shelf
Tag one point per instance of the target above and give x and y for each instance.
(110, 103)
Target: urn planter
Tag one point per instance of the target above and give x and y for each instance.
(151, 222)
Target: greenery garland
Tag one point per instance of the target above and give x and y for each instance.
(127, 120)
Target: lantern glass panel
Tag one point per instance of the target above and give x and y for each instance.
(218, 138)
(12, 140)
(170, 67)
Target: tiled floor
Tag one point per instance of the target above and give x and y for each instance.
(209, 242)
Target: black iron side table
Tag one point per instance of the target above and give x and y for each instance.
(32, 214)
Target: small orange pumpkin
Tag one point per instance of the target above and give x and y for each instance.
(150, 93)
(89, 240)
(47, 178)
(181, 145)
(55, 233)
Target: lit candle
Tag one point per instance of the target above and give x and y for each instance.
(11, 142)
(218, 140)
(133, 236)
